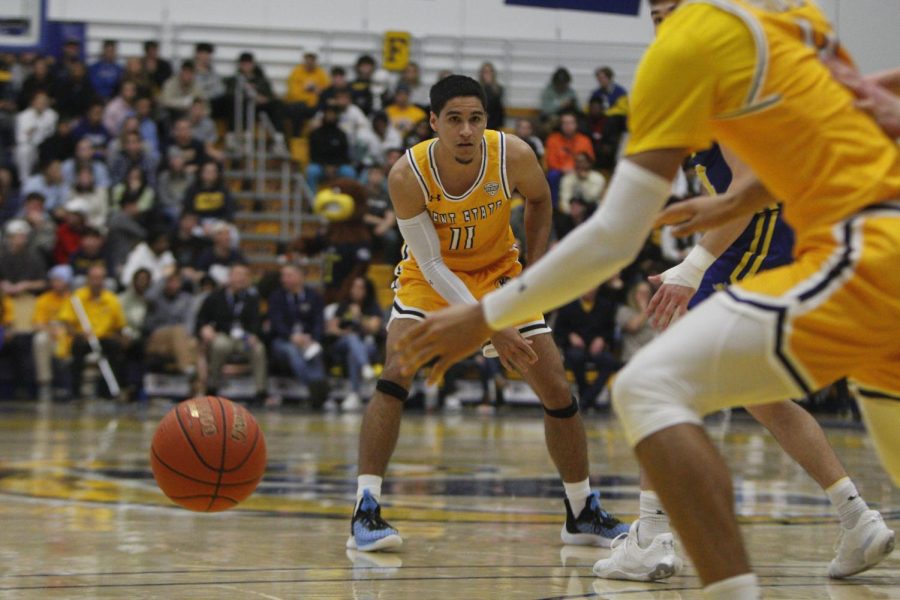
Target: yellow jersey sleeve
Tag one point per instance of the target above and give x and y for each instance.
(67, 312)
(700, 66)
(9, 312)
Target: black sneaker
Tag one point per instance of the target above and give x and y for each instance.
(593, 527)
(368, 531)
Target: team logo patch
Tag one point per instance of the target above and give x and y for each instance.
(491, 188)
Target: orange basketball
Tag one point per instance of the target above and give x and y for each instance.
(208, 454)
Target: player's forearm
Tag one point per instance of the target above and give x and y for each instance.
(423, 242)
(591, 254)
(748, 198)
(890, 79)
(718, 240)
(538, 220)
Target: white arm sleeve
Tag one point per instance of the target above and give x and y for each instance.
(422, 239)
(591, 254)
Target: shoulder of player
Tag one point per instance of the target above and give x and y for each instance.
(401, 173)
(404, 188)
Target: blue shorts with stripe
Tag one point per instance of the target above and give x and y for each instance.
(766, 243)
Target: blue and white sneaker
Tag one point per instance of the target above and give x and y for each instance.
(368, 531)
(593, 526)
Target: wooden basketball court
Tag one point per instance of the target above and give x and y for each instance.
(475, 498)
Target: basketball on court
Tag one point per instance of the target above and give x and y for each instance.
(208, 454)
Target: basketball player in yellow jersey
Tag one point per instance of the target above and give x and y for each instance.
(452, 198)
(745, 73)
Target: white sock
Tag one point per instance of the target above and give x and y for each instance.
(368, 482)
(654, 520)
(742, 587)
(577, 493)
(846, 500)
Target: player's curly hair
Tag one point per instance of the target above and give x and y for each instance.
(455, 86)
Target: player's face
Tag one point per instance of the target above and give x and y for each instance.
(660, 10)
(460, 127)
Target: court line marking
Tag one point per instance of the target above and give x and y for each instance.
(805, 566)
(269, 569)
(662, 586)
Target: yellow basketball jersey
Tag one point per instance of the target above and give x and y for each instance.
(473, 228)
(747, 74)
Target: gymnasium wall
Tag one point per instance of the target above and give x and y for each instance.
(525, 43)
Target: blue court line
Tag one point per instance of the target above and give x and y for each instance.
(796, 520)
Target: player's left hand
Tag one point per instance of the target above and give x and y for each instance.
(514, 351)
(669, 302)
(450, 334)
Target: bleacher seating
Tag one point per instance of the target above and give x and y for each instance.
(524, 66)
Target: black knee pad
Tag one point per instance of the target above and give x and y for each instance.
(563, 413)
(394, 390)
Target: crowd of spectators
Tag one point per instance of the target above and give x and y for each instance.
(114, 191)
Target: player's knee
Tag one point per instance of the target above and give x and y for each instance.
(392, 372)
(647, 401)
(556, 394)
(393, 383)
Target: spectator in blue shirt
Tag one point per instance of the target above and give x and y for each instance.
(84, 157)
(91, 127)
(49, 183)
(613, 95)
(106, 73)
(143, 108)
(297, 319)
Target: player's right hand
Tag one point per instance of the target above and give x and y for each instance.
(669, 302)
(514, 351)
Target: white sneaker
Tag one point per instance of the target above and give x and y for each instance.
(629, 561)
(452, 403)
(351, 403)
(862, 547)
(368, 373)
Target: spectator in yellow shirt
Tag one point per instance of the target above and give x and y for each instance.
(107, 320)
(50, 337)
(304, 85)
(7, 315)
(402, 113)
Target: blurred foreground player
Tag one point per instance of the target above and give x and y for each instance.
(725, 255)
(744, 73)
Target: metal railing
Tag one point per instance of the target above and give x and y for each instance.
(265, 157)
